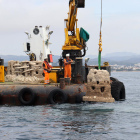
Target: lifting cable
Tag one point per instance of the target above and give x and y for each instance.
(100, 42)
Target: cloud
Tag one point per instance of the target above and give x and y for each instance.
(22, 15)
(121, 24)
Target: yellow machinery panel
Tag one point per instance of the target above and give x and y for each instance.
(2, 74)
(106, 64)
(53, 76)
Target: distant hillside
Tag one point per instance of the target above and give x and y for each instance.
(127, 63)
(120, 58)
(120, 54)
(21, 58)
(14, 57)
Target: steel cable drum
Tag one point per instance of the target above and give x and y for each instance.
(81, 3)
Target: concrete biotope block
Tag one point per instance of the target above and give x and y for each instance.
(98, 86)
(24, 72)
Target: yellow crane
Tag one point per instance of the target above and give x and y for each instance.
(75, 41)
(74, 38)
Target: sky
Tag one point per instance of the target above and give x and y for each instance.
(120, 30)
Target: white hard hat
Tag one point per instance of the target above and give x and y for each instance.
(86, 60)
(45, 58)
(67, 55)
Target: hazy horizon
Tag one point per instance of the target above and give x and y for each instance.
(85, 55)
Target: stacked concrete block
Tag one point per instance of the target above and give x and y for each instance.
(23, 79)
(36, 68)
(28, 69)
(9, 78)
(11, 69)
(98, 86)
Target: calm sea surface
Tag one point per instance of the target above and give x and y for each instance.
(100, 121)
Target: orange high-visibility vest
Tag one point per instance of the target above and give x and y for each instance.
(67, 69)
(46, 74)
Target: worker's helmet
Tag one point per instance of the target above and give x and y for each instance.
(67, 55)
(45, 58)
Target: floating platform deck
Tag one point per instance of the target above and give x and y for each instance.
(39, 94)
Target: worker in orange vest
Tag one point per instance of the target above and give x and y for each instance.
(47, 69)
(67, 66)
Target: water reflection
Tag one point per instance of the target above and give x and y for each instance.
(81, 119)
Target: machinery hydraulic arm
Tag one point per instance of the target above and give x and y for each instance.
(73, 5)
(73, 40)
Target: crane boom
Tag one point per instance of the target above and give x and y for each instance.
(71, 15)
(73, 40)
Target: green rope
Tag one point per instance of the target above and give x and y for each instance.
(99, 60)
(99, 56)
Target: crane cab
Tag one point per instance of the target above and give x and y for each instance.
(38, 45)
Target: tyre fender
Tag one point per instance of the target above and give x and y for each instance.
(57, 96)
(118, 90)
(79, 97)
(26, 91)
(122, 92)
(113, 79)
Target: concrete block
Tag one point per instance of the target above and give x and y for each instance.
(98, 86)
(25, 71)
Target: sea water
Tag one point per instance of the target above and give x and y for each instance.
(98, 121)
